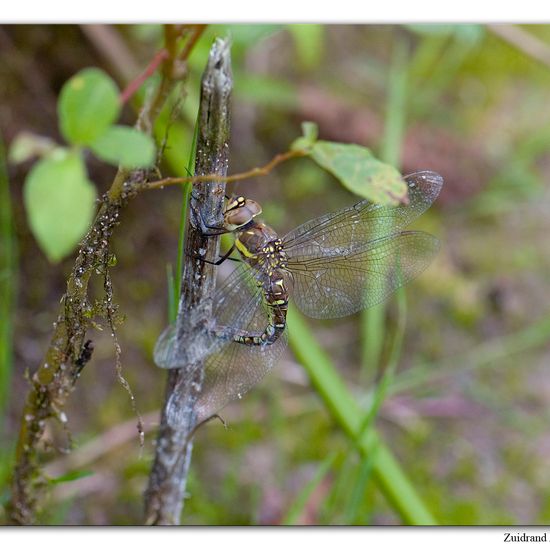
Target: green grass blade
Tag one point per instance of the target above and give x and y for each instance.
(426, 57)
(8, 285)
(357, 496)
(383, 387)
(309, 41)
(372, 341)
(380, 394)
(387, 473)
(373, 319)
(344, 476)
(186, 192)
(432, 84)
(172, 299)
(396, 106)
(298, 506)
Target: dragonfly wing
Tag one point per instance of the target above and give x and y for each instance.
(230, 368)
(355, 225)
(359, 277)
(233, 368)
(164, 353)
(233, 303)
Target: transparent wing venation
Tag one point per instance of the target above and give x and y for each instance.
(338, 264)
(337, 286)
(355, 225)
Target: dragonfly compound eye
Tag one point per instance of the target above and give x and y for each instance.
(241, 211)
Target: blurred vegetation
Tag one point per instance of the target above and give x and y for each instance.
(464, 409)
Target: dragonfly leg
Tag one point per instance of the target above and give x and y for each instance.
(213, 231)
(220, 260)
(209, 230)
(203, 422)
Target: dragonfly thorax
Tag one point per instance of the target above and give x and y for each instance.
(259, 244)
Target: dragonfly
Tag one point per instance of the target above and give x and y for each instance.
(331, 266)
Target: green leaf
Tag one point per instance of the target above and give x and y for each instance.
(359, 171)
(310, 132)
(125, 146)
(88, 105)
(60, 203)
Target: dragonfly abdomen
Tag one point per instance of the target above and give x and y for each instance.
(269, 336)
(275, 295)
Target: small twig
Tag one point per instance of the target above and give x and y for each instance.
(110, 312)
(134, 86)
(190, 44)
(252, 173)
(175, 65)
(164, 495)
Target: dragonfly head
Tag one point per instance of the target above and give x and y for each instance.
(240, 211)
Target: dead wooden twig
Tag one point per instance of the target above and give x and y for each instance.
(164, 496)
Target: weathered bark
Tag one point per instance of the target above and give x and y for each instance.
(164, 496)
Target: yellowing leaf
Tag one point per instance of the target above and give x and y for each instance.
(361, 172)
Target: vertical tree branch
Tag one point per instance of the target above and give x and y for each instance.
(164, 496)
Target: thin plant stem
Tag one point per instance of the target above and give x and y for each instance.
(186, 192)
(373, 319)
(252, 173)
(134, 86)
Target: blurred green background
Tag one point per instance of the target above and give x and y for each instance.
(464, 409)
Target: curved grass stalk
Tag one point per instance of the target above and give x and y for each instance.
(387, 473)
